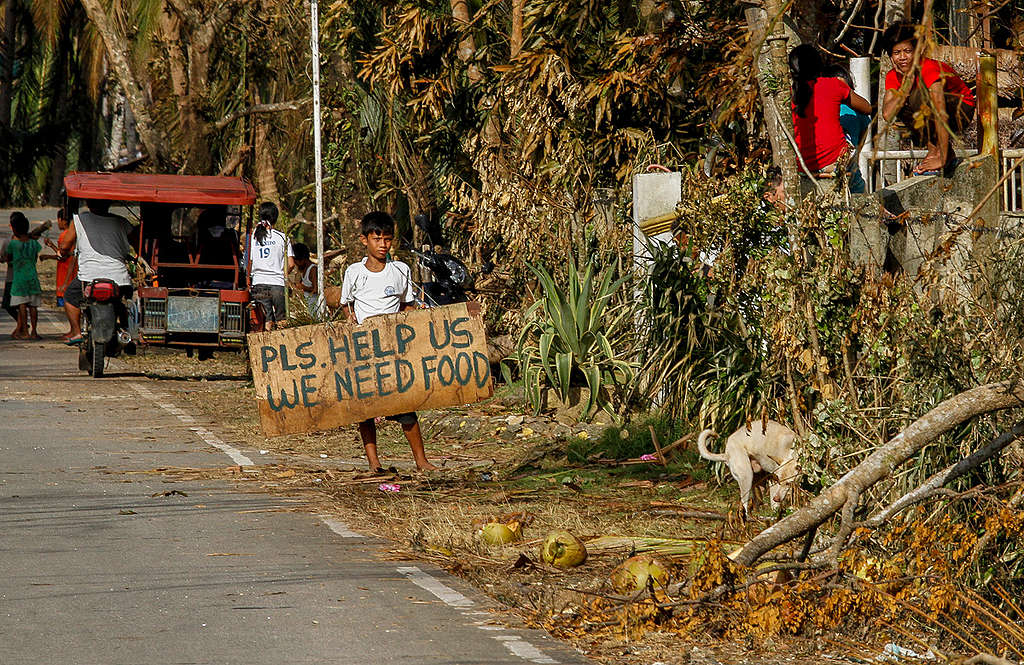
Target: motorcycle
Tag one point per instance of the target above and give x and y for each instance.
(109, 328)
(451, 277)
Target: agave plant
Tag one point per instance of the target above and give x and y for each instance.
(570, 338)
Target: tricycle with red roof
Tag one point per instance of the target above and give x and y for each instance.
(193, 293)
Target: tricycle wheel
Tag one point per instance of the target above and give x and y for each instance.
(96, 369)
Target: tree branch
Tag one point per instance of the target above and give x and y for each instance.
(883, 461)
(988, 659)
(273, 107)
(947, 475)
(846, 526)
(235, 161)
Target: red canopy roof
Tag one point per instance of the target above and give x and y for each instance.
(188, 189)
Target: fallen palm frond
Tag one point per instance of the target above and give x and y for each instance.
(620, 544)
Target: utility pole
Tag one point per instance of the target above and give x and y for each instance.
(314, 39)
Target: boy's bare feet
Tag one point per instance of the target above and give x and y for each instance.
(427, 466)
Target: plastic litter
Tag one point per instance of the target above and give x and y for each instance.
(894, 653)
(389, 487)
(649, 457)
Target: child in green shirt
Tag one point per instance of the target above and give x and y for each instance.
(26, 294)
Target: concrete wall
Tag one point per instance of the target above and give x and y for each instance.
(900, 227)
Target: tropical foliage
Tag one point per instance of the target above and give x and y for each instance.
(573, 337)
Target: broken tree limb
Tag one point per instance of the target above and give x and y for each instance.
(274, 107)
(988, 659)
(881, 463)
(947, 475)
(846, 525)
(657, 447)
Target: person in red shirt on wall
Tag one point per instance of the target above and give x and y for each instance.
(935, 91)
(816, 101)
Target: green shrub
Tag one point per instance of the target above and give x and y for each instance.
(627, 441)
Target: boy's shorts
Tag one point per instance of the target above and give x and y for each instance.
(34, 300)
(271, 298)
(401, 418)
(73, 293)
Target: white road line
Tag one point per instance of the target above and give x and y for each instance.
(523, 649)
(206, 435)
(517, 645)
(236, 455)
(340, 528)
(433, 585)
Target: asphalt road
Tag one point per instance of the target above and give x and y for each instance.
(101, 564)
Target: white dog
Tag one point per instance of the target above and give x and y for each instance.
(763, 445)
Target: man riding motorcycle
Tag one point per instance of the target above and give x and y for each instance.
(104, 247)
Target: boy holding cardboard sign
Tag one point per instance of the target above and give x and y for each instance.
(377, 285)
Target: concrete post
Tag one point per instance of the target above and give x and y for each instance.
(655, 195)
(860, 71)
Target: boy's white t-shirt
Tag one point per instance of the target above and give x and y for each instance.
(268, 259)
(373, 293)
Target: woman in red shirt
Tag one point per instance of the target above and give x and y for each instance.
(937, 87)
(816, 101)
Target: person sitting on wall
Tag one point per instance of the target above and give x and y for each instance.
(942, 99)
(816, 101)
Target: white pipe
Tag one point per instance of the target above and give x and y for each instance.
(914, 154)
(860, 71)
(314, 38)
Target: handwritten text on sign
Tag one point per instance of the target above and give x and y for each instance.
(322, 376)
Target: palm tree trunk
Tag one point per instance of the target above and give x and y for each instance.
(766, 26)
(6, 65)
(117, 53)
(516, 38)
(6, 82)
(116, 131)
(266, 174)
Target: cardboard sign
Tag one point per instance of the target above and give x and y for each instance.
(326, 375)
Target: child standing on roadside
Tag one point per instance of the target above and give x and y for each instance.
(378, 285)
(67, 270)
(26, 294)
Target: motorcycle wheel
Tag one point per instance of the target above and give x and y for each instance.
(96, 370)
(84, 360)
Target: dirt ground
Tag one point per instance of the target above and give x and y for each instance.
(498, 461)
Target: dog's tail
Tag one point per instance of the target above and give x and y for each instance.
(702, 446)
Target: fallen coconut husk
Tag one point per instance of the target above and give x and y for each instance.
(561, 549)
(632, 575)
